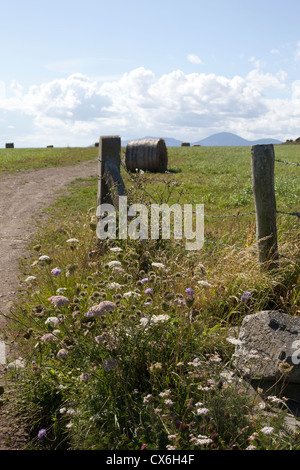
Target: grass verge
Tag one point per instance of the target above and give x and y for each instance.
(154, 371)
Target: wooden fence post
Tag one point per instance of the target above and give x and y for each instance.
(110, 182)
(263, 160)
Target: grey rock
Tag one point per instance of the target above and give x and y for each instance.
(267, 340)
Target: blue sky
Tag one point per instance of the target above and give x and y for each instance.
(73, 70)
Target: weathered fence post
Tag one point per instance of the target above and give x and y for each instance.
(263, 159)
(110, 182)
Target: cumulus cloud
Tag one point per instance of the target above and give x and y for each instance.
(76, 108)
(194, 59)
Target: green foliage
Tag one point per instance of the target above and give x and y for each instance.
(157, 370)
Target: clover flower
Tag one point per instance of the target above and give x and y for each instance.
(275, 399)
(147, 398)
(52, 321)
(267, 430)
(114, 264)
(204, 283)
(30, 279)
(114, 285)
(61, 290)
(168, 402)
(62, 354)
(166, 393)
(48, 337)
(202, 411)
(72, 241)
(131, 294)
(158, 265)
(202, 440)
(101, 309)
(59, 300)
(145, 321)
(44, 259)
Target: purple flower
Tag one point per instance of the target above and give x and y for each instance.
(144, 280)
(56, 271)
(101, 309)
(189, 291)
(148, 291)
(246, 295)
(41, 433)
(59, 300)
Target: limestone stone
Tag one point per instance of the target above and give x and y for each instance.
(268, 347)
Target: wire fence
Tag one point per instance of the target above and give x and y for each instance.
(286, 163)
(222, 216)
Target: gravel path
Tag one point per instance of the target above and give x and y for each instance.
(23, 196)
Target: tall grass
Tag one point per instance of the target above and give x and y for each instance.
(155, 372)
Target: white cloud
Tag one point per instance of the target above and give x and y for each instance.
(194, 59)
(77, 110)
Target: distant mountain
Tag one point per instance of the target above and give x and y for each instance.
(225, 139)
(222, 139)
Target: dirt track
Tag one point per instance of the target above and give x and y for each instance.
(23, 196)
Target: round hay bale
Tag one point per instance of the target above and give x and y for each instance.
(146, 154)
(185, 144)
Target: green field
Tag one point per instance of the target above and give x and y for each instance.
(113, 382)
(219, 177)
(31, 158)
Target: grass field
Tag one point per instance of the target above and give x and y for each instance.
(31, 158)
(149, 373)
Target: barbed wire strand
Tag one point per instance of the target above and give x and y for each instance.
(297, 214)
(226, 215)
(286, 163)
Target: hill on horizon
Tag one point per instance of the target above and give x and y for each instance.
(221, 139)
(228, 139)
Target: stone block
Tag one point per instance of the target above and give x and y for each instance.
(268, 347)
